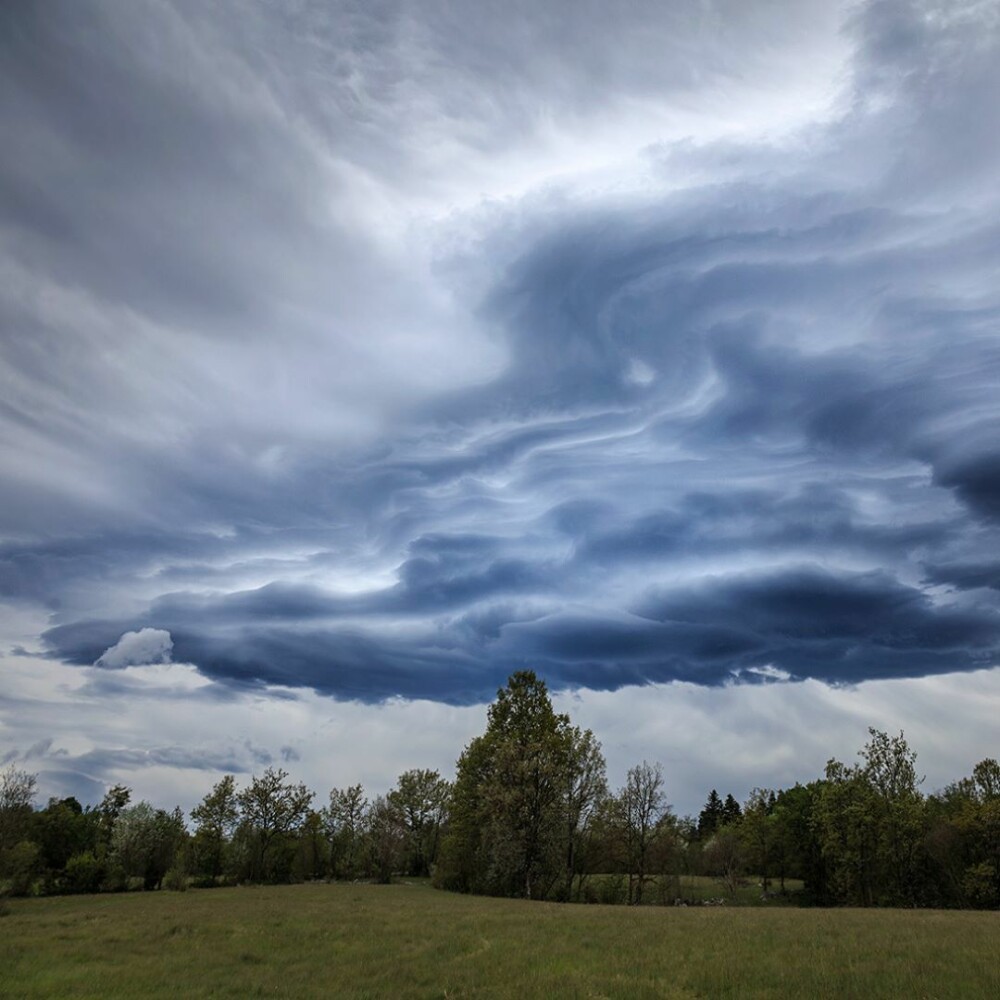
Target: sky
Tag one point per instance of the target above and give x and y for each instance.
(356, 354)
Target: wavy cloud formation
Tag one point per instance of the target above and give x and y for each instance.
(382, 352)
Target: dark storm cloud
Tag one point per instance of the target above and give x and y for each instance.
(272, 393)
(810, 622)
(816, 517)
(966, 575)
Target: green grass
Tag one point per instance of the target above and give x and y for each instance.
(696, 889)
(411, 941)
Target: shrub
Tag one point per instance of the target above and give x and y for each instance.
(19, 867)
(980, 885)
(176, 880)
(115, 880)
(83, 873)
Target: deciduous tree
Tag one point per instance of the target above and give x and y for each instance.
(215, 819)
(272, 809)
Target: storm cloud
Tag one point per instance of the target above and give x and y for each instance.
(383, 350)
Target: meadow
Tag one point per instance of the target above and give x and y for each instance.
(409, 940)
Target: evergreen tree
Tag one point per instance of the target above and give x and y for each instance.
(711, 817)
(731, 812)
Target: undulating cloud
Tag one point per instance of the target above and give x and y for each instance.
(371, 354)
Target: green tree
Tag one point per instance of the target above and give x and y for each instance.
(870, 821)
(62, 829)
(344, 822)
(145, 842)
(17, 793)
(798, 853)
(731, 812)
(215, 819)
(272, 810)
(586, 787)
(641, 809)
(386, 837)
(963, 839)
(313, 859)
(890, 769)
(116, 798)
(508, 818)
(421, 799)
(20, 858)
(725, 857)
(759, 830)
(711, 817)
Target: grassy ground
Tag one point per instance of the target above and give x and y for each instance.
(412, 941)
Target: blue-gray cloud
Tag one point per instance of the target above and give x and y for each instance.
(278, 394)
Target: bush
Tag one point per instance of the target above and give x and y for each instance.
(83, 873)
(176, 880)
(19, 867)
(115, 880)
(980, 885)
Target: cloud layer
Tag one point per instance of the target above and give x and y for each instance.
(382, 351)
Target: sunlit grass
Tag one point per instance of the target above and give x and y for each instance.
(411, 941)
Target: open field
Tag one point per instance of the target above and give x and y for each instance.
(412, 941)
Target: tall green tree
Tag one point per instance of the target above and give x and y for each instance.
(711, 816)
(61, 830)
(272, 810)
(731, 812)
(421, 799)
(344, 822)
(641, 809)
(145, 841)
(509, 811)
(215, 819)
(586, 787)
(870, 821)
(386, 837)
(759, 830)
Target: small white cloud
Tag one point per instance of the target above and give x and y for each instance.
(770, 673)
(133, 649)
(639, 373)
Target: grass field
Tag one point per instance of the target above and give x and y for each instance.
(412, 941)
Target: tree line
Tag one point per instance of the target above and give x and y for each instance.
(530, 814)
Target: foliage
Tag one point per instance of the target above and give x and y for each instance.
(272, 810)
(344, 819)
(530, 815)
(19, 867)
(420, 799)
(17, 792)
(215, 819)
(869, 819)
(145, 842)
(710, 818)
(758, 829)
(640, 816)
(512, 820)
(83, 873)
